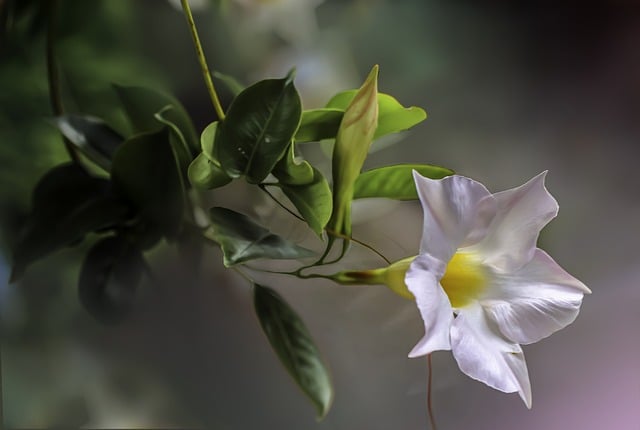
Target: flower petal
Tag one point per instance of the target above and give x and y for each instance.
(433, 304)
(535, 301)
(484, 354)
(522, 212)
(457, 210)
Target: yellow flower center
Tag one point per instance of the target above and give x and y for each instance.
(464, 280)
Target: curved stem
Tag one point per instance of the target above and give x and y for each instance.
(359, 242)
(53, 78)
(264, 188)
(203, 61)
(432, 420)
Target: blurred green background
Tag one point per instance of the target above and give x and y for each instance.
(511, 89)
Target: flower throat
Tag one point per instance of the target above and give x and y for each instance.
(464, 279)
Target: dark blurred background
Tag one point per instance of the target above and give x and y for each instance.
(511, 89)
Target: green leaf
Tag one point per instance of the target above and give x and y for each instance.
(392, 116)
(292, 342)
(141, 104)
(258, 128)
(181, 149)
(68, 203)
(92, 136)
(313, 201)
(206, 175)
(242, 239)
(319, 124)
(395, 182)
(207, 140)
(232, 84)
(109, 277)
(350, 150)
(145, 171)
(293, 171)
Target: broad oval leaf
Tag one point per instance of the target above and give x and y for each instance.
(141, 104)
(291, 170)
(109, 277)
(242, 240)
(92, 136)
(319, 124)
(145, 171)
(258, 128)
(392, 116)
(68, 203)
(313, 201)
(292, 342)
(395, 182)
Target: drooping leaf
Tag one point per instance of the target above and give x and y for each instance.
(319, 124)
(68, 203)
(177, 139)
(242, 239)
(292, 342)
(232, 84)
(145, 171)
(141, 104)
(92, 136)
(395, 182)
(313, 201)
(109, 277)
(392, 117)
(258, 128)
(293, 171)
(350, 150)
(204, 174)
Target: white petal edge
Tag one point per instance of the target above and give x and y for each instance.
(455, 208)
(485, 355)
(433, 304)
(522, 212)
(535, 301)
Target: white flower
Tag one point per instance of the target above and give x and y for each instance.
(481, 284)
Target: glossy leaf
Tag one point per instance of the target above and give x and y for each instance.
(145, 171)
(141, 104)
(207, 140)
(68, 203)
(313, 201)
(109, 277)
(395, 182)
(92, 136)
(258, 128)
(291, 170)
(319, 124)
(242, 239)
(206, 175)
(350, 150)
(292, 342)
(392, 117)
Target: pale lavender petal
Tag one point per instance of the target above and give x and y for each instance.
(433, 304)
(484, 354)
(535, 301)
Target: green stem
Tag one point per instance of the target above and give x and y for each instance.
(203, 61)
(53, 78)
(264, 188)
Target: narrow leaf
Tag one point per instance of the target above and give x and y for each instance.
(319, 124)
(109, 277)
(242, 239)
(145, 171)
(92, 136)
(258, 128)
(395, 182)
(313, 201)
(292, 342)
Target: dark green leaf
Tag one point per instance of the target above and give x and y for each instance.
(178, 141)
(392, 116)
(108, 279)
(292, 342)
(293, 171)
(141, 104)
(258, 128)
(242, 239)
(395, 182)
(68, 203)
(312, 200)
(145, 171)
(319, 124)
(92, 136)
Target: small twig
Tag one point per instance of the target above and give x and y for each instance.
(432, 420)
(264, 188)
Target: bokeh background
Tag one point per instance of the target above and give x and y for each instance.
(511, 89)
